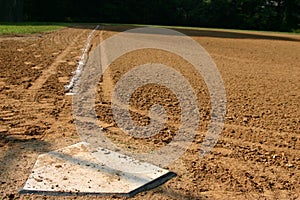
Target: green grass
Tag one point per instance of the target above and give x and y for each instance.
(29, 28)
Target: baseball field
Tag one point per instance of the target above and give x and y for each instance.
(257, 155)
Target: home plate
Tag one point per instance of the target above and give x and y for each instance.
(75, 171)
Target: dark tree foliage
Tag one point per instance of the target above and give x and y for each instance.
(11, 10)
(280, 15)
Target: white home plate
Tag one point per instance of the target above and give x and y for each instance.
(73, 170)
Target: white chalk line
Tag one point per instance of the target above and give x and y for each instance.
(77, 73)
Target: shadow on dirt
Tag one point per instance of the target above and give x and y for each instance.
(16, 149)
(169, 192)
(214, 33)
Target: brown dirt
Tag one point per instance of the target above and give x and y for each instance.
(257, 155)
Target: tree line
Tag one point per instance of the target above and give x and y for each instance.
(276, 15)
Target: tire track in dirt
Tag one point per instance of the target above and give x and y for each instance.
(65, 37)
(45, 106)
(22, 119)
(52, 69)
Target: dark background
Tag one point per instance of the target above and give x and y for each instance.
(275, 15)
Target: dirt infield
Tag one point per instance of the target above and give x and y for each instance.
(257, 155)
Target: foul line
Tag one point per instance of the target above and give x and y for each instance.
(81, 63)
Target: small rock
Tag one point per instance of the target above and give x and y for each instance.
(230, 118)
(58, 166)
(38, 180)
(289, 165)
(71, 63)
(27, 63)
(156, 141)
